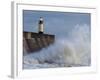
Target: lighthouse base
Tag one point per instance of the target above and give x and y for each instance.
(40, 32)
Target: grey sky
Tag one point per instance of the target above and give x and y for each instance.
(57, 23)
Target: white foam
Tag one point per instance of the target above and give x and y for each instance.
(75, 50)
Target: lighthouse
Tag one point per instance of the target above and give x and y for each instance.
(41, 25)
(36, 41)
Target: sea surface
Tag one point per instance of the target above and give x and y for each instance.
(73, 50)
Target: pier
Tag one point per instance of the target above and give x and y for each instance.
(33, 42)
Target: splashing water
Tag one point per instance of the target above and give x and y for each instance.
(75, 50)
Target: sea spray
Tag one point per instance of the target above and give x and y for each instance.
(73, 50)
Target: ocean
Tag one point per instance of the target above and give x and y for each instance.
(73, 50)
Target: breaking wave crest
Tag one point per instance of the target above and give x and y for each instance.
(74, 50)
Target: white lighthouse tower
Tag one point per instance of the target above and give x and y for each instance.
(41, 25)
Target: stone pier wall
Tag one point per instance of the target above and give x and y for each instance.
(33, 42)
